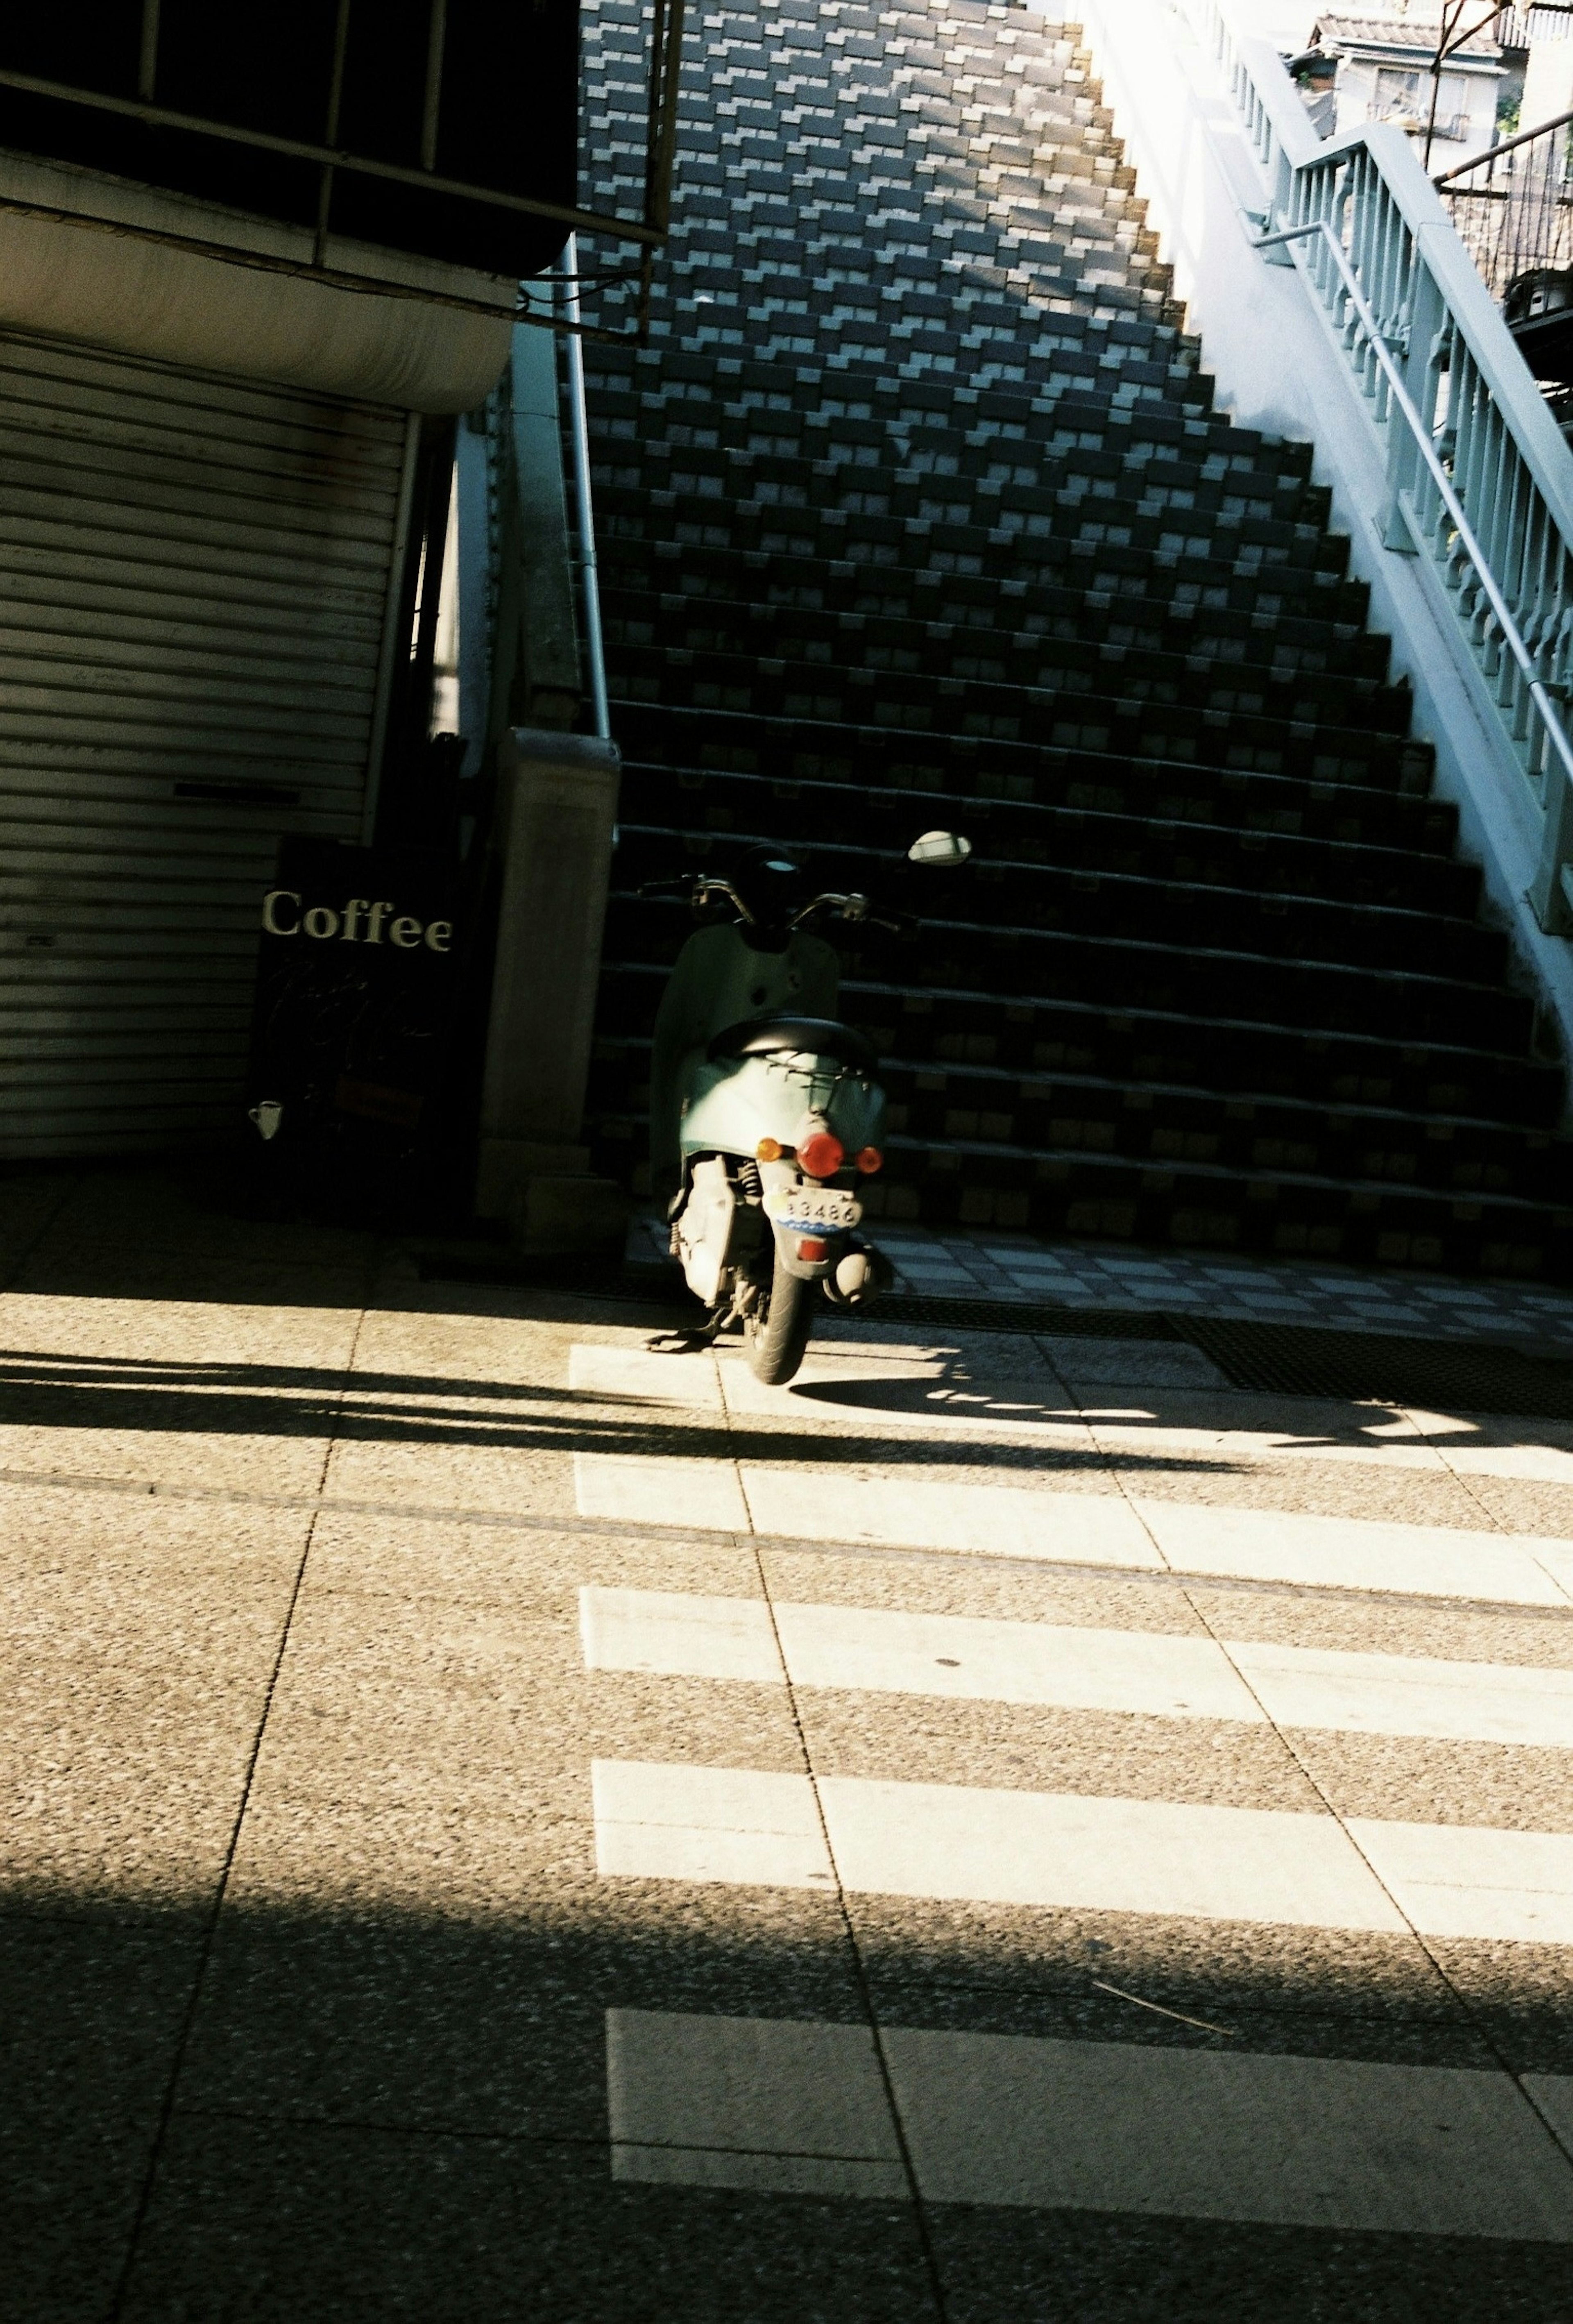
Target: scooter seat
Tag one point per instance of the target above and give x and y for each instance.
(819, 1037)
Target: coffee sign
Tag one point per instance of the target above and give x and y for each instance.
(353, 1035)
(358, 921)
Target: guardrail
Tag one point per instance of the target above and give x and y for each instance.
(1480, 483)
(1513, 208)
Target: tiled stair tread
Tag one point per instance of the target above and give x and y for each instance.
(1038, 472)
(1384, 1191)
(807, 642)
(905, 1148)
(1134, 971)
(1292, 827)
(1230, 1059)
(663, 376)
(1026, 878)
(712, 576)
(972, 668)
(975, 1182)
(1375, 939)
(1171, 1125)
(1187, 773)
(745, 589)
(1100, 610)
(1033, 879)
(635, 528)
(778, 686)
(1268, 552)
(995, 481)
(1406, 767)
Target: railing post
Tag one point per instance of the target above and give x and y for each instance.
(1398, 531)
(1549, 898)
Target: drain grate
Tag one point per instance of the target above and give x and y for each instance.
(1361, 1367)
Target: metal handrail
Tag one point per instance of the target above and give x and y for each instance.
(1463, 532)
(1480, 481)
(1513, 207)
(584, 504)
(1504, 146)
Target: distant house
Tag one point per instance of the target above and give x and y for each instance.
(1384, 73)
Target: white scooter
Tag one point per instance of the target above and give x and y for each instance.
(765, 1116)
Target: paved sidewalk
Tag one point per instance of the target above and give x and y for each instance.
(502, 1822)
(983, 1264)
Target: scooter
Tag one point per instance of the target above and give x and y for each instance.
(771, 1121)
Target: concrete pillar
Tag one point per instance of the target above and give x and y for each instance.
(545, 688)
(556, 810)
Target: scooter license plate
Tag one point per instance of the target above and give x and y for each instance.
(803, 1211)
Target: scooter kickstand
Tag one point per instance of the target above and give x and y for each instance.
(688, 1344)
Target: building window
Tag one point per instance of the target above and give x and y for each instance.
(1403, 97)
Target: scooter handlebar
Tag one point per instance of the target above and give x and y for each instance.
(858, 910)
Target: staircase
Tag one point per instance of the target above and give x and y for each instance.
(916, 511)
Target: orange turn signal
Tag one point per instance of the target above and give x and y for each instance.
(769, 1149)
(870, 1161)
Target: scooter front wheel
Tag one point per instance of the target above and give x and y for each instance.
(777, 1331)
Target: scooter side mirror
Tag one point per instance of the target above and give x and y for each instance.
(940, 847)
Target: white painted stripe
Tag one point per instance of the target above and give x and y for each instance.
(941, 1841)
(757, 2175)
(730, 1824)
(1012, 1662)
(884, 1652)
(1471, 1881)
(1553, 2094)
(678, 1636)
(1358, 1552)
(1006, 2119)
(1068, 1852)
(700, 2081)
(631, 1489)
(1100, 1855)
(878, 1651)
(845, 1504)
(635, 1375)
(1409, 1694)
(835, 1504)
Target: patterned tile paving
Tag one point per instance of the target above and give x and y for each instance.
(980, 1265)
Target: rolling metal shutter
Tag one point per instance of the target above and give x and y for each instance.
(197, 585)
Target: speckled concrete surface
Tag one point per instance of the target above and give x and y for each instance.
(309, 1951)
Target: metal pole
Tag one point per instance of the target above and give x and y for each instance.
(1495, 152)
(584, 507)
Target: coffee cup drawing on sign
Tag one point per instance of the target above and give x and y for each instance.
(267, 1115)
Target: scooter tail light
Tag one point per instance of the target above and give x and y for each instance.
(821, 1155)
(870, 1161)
(809, 1246)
